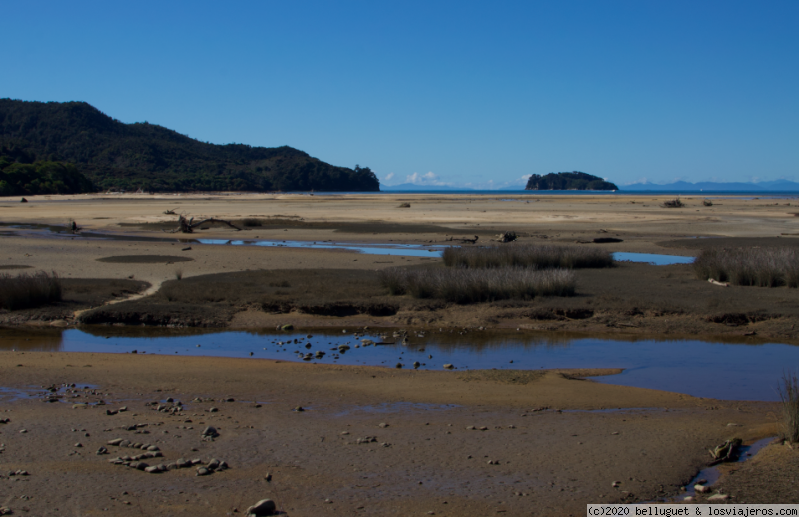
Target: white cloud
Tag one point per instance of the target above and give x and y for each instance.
(388, 176)
(424, 179)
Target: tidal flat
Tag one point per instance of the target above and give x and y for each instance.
(520, 438)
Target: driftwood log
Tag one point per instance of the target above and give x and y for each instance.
(506, 237)
(188, 225)
(472, 241)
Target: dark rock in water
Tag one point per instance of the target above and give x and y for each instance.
(262, 507)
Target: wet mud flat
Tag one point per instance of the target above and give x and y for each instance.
(369, 441)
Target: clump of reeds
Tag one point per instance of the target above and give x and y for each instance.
(673, 203)
(541, 257)
(789, 395)
(707, 202)
(462, 285)
(178, 274)
(404, 205)
(25, 290)
(763, 267)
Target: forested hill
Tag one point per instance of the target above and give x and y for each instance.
(141, 155)
(568, 181)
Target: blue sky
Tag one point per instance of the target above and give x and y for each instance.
(464, 93)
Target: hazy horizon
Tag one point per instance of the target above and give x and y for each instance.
(465, 94)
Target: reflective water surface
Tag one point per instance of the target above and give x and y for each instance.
(743, 370)
(652, 258)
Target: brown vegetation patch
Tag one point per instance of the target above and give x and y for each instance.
(738, 318)
(144, 259)
(15, 266)
(502, 376)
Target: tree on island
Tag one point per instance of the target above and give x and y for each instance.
(568, 181)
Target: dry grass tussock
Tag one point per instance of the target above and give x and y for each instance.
(25, 291)
(763, 267)
(789, 394)
(461, 285)
(541, 257)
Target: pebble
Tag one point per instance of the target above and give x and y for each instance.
(448, 366)
(717, 498)
(701, 489)
(202, 471)
(382, 424)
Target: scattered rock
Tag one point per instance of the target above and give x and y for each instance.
(210, 431)
(262, 507)
(716, 498)
(448, 366)
(701, 489)
(202, 471)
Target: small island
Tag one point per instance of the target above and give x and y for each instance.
(568, 181)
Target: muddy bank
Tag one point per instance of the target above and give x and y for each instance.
(629, 298)
(78, 294)
(370, 441)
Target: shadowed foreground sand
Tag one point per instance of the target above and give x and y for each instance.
(528, 460)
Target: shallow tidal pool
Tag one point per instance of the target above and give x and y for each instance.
(731, 370)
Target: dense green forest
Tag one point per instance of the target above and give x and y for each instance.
(27, 179)
(112, 154)
(568, 181)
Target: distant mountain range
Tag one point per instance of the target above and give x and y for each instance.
(414, 186)
(130, 156)
(684, 186)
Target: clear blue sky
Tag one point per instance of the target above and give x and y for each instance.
(464, 93)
